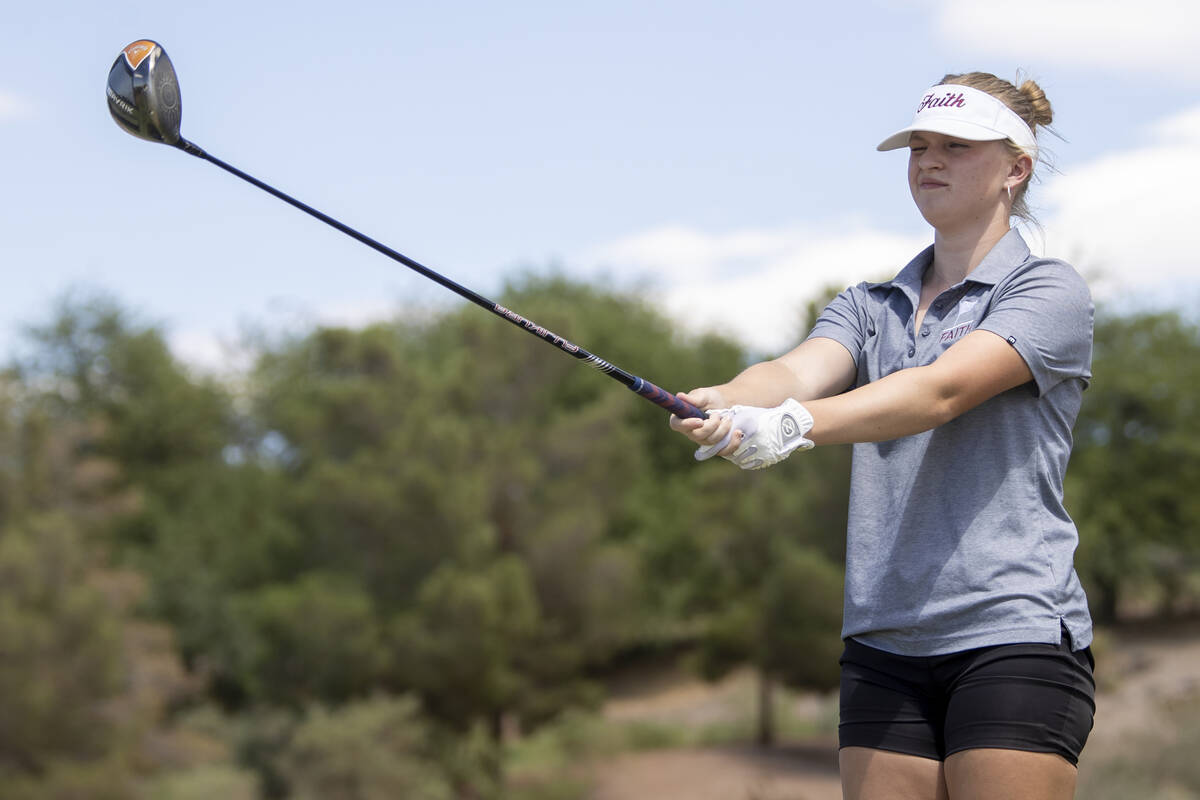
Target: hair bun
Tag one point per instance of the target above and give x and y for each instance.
(1043, 114)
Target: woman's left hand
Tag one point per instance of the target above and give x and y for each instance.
(767, 435)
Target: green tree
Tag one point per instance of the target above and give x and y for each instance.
(426, 460)
(312, 639)
(376, 749)
(1136, 460)
(85, 685)
(165, 458)
(764, 551)
(445, 509)
(100, 366)
(767, 593)
(60, 649)
(468, 645)
(84, 681)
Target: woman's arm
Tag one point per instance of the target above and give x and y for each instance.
(977, 368)
(817, 368)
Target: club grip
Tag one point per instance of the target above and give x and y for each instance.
(670, 402)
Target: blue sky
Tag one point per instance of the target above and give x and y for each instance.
(718, 156)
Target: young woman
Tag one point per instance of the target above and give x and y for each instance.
(966, 671)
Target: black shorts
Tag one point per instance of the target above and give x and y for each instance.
(1037, 697)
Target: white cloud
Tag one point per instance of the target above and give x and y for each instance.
(753, 284)
(207, 351)
(1132, 214)
(1159, 36)
(13, 106)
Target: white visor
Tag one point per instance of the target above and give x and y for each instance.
(965, 113)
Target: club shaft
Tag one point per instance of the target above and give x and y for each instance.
(642, 387)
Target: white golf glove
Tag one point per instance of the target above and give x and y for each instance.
(770, 434)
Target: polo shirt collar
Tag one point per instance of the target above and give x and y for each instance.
(1005, 254)
(999, 261)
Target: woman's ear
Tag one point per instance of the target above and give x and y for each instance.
(1022, 168)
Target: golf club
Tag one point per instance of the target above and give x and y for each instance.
(143, 97)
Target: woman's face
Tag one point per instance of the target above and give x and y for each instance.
(956, 182)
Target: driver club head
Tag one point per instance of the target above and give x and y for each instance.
(143, 93)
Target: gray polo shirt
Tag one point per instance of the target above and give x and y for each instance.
(958, 537)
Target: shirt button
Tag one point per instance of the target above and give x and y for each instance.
(925, 330)
(912, 351)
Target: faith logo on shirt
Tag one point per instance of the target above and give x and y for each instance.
(956, 333)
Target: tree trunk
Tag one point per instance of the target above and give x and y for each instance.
(766, 709)
(1103, 600)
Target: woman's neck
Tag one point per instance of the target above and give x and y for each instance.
(957, 252)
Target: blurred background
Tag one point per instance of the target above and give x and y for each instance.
(280, 519)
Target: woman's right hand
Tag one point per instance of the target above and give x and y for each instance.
(707, 432)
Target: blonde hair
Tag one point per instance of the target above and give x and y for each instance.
(1028, 102)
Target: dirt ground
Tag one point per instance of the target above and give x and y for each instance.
(725, 773)
(1139, 671)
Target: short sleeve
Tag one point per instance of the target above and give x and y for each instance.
(1045, 311)
(846, 320)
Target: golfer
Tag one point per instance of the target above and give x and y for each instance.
(966, 671)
